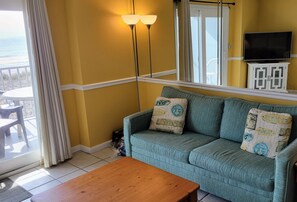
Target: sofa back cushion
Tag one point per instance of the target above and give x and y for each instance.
(204, 113)
(292, 110)
(234, 118)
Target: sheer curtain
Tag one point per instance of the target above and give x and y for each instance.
(185, 42)
(55, 142)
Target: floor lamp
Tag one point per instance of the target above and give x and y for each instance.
(132, 20)
(148, 20)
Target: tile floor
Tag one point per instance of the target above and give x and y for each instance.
(39, 179)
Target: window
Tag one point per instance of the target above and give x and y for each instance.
(13, 44)
(21, 147)
(206, 44)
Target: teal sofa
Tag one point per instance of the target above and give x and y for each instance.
(208, 152)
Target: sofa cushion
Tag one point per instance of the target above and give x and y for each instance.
(169, 115)
(173, 146)
(204, 113)
(234, 118)
(266, 133)
(292, 110)
(225, 157)
(209, 181)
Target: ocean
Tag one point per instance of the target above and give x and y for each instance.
(13, 52)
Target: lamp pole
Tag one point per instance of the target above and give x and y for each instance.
(132, 20)
(148, 20)
(135, 65)
(150, 49)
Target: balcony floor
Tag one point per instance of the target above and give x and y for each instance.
(15, 145)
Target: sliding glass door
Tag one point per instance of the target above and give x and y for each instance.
(202, 41)
(209, 43)
(19, 144)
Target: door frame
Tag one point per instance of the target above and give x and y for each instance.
(31, 157)
(225, 32)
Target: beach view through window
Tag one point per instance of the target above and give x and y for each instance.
(13, 44)
(21, 145)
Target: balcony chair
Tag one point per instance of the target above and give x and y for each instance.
(6, 123)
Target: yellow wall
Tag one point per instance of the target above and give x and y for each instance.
(59, 27)
(150, 91)
(243, 18)
(106, 108)
(102, 40)
(162, 36)
(57, 17)
(72, 119)
(292, 72)
(281, 16)
(93, 45)
(259, 16)
(168, 77)
(235, 27)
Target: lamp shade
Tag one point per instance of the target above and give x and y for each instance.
(148, 19)
(130, 19)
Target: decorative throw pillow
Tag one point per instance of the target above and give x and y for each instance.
(169, 115)
(266, 133)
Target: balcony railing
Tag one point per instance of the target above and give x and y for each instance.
(17, 76)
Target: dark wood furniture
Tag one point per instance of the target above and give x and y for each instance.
(296, 171)
(126, 179)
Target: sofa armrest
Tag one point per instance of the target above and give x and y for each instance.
(285, 184)
(134, 123)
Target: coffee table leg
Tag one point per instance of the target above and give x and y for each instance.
(193, 196)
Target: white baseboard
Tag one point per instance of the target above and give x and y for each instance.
(76, 148)
(91, 149)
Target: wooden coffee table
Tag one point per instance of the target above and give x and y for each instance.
(126, 179)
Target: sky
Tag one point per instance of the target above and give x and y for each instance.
(11, 24)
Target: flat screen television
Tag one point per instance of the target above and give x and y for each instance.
(270, 46)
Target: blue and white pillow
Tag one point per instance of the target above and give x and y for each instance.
(266, 133)
(169, 115)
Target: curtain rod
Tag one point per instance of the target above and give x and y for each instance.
(209, 2)
(212, 2)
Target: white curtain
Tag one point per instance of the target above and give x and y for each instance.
(53, 127)
(185, 42)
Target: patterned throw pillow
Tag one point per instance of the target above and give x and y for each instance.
(266, 133)
(169, 115)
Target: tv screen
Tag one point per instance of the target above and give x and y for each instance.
(267, 46)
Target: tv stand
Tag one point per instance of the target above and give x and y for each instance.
(268, 76)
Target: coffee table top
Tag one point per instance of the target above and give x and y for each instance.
(126, 179)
